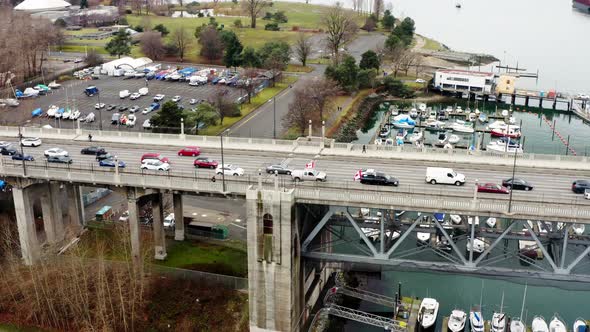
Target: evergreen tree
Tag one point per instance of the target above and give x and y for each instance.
(83, 4)
(388, 20)
(233, 49)
(168, 117)
(120, 44)
(369, 60)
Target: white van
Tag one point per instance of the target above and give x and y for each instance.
(143, 91)
(124, 94)
(441, 175)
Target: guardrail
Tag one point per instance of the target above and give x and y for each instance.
(342, 193)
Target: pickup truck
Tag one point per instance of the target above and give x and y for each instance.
(308, 175)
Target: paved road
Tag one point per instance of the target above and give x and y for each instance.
(365, 42)
(549, 184)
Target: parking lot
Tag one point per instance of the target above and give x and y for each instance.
(72, 93)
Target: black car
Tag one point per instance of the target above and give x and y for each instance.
(123, 108)
(111, 107)
(579, 186)
(103, 156)
(378, 178)
(59, 159)
(279, 169)
(8, 150)
(517, 184)
(20, 156)
(93, 150)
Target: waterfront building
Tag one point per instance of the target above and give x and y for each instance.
(464, 81)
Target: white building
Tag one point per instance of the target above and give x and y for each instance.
(463, 80)
(35, 6)
(126, 63)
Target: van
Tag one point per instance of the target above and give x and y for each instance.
(441, 175)
(124, 94)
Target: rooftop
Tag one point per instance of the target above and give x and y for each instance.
(465, 72)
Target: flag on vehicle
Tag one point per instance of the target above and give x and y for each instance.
(310, 164)
(357, 175)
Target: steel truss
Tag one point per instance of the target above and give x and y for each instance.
(386, 250)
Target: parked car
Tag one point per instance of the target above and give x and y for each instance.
(192, 151)
(156, 165)
(587, 194)
(441, 175)
(134, 109)
(111, 107)
(99, 106)
(280, 169)
(131, 120)
(20, 156)
(53, 152)
(492, 188)
(31, 141)
(229, 169)
(517, 184)
(93, 150)
(111, 163)
(134, 96)
(370, 176)
(421, 81)
(151, 108)
(193, 102)
(159, 97)
(169, 221)
(308, 175)
(59, 159)
(147, 124)
(123, 108)
(205, 162)
(8, 150)
(115, 118)
(579, 186)
(154, 155)
(176, 99)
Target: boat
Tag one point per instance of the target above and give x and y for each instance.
(423, 237)
(89, 117)
(578, 229)
(442, 138)
(415, 137)
(422, 107)
(454, 139)
(434, 125)
(458, 109)
(479, 245)
(403, 121)
(54, 85)
(413, 113)
(476, 316)
(428, 312)
(502, 146)
(457, 320)
(498, 124)
(456, 219)
(384, 132)
(59, 113)
(393, 110)
(432, 115)
(509, 131)
(75, 115)
(557, 325)
(505, 113)
(539, 324)
(66, 114)
(483, 118)
(462, 128)
(499, 318)
(52, 110)
(529, 249)
(516, 323)
(512, 120)
(491, 222)
(472, 116)
(475, 219)
(580, 325)
(477, 112)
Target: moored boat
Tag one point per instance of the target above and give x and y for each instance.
(539, 324)
(499, 318)
(413, 113)
(415, 137)
(557, 325)
(476, 319)
(462, 128)
(508, 131)
(483, 118)
(491, 222)
(580, 325)
(456, 219)
(457, 320)
(454, 139)
(579, 228)
(428, 312)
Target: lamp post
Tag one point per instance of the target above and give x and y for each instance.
(22, 152)
(513, 173)
(274, 117)
(222, 160)
(99, 111)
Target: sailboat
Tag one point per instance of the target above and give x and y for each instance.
(475, 315)
(517, 325)
(580, 325)
(556, 324)
(499, 318)
(539, 324)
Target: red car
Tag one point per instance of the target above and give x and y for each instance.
(204, 162)
(191, 151)
(492, 188)
(153, 155)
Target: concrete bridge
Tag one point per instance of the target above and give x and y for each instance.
(294, 229)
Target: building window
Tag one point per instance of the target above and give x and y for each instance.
(267, 224)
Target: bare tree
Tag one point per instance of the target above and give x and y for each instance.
(181, 39)
(211, 43)
(300, 112)
(221, 101)
(319, 94)
(407, 61)
(302, 48)
(151, 45)
(377, 8)
(253, 8)
(340, 29)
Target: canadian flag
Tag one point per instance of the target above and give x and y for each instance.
(310, 164)
(358, 175)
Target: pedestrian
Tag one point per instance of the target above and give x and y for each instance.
(364, 149)
(213, 178)
(89, 137)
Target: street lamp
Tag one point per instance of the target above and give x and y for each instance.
(99, 111)
(513, 172)
(22, 152)
(222, 160)
(274, 117)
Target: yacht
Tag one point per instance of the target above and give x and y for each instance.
(472, 117)
(52, 110)
(471, 220)
(502, 146)
(483, 118)
(539, 324)
(479, 245)
(415, 137)
(456, 219)
(422, 107)
(428, 312)
(578, 229)
(461, 127)
(498, 124)
(508, 131)
(557, 325)
(580, 325)
(413, 113)
(457, 321)
(491, 222)
(454, 139)
(434, 125)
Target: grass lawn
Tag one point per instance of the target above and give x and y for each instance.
(83, 31)
(257, 101)
(292, 68)
(208, 257)
(432, 44)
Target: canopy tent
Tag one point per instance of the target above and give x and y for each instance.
(42, 5)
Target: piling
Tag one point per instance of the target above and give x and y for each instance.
(526, 101)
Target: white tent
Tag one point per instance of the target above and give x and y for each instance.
(125, 63)
(42, 5)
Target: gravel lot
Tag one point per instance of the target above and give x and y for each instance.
(109, 88)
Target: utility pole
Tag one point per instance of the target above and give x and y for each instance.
(274, 118)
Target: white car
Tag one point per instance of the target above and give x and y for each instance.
(583, 96)
(229, 169)
(54, 85)
(135, 96)
(193, 101)
(169, 221)
(56, 152)
(159, 97)
(99, 106)
(419, 80)
(147, 124)
(75, 115)
(31, 141)
(131, 119)
(154, 164)
(176, 99)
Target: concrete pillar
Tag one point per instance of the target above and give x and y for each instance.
(58, 218)
(48, 218)
(134, 229)
(74, 207)
(23, 207)
(159, 234)
(178, 217)
(274, 285)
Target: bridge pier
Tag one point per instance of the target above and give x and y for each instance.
(134, 228)
(52, 214)
(274, 270)
(27, 234)
(178, 216)
(75, 212)
(159, 234)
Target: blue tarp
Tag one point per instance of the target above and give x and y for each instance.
(2, 185)
(60, 111)
(187, 71)
(18, 93)
(439, 216)
(37, 112)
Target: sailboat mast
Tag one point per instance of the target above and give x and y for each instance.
(523, 299)
(480, 294)
(502, 303)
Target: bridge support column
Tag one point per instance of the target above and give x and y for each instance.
(178, 217)
(75, 207)
(159, 234)
(134, 228)
(58, 218)
(23, 207)
(274, 270)
(51, 216)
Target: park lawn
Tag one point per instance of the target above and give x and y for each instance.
(82, 31)
(432, 44)
(208, 257)
(293, 68)
(257, 101)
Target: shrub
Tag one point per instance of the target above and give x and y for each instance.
(267, 16)
(280, 17)
(60, 23)
(200, 14)
(295, 28)
(128, 11)
(238, 23)
(272, 27)
(138, 28)
(123, 21)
